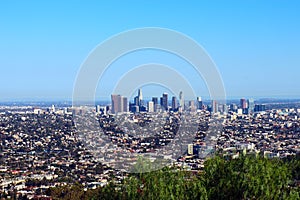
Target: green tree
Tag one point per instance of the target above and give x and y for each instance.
(247, 177)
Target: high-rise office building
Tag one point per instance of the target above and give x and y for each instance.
(140, 94)
(165, 101)
(140, 98)
(115, 103)
(150, 106)
(136, 101)
(155, 103)
(174, 104)
(139, 102)
(124, 104)
(243, 104)
(214, 106)
(251, 105)
(155, 100)
(181, 100)
(199, 103)
(119, 103)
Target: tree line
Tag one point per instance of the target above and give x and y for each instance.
(246, 177)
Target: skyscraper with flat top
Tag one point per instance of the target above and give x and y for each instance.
(118, 103)
(243, 104)
(199, 103)
(214, 106)
(174, 103)
(155, 103)
(181, 100)
(165, 101)
(124, 104)
(150, 106)
(251, 105)
(115, 103)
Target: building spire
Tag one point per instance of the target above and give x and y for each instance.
(140, 95)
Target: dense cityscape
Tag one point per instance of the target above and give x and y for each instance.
(150, 100)
(40, 148)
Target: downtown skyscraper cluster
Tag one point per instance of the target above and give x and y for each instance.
(156, 104)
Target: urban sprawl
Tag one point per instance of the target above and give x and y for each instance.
(41, 144)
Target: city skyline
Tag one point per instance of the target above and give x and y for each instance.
(256, 52)
(120, 104)
(150, 99)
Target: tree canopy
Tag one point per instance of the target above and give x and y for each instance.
(247, 177)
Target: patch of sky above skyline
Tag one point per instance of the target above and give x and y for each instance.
(255, 44)
(125, 64)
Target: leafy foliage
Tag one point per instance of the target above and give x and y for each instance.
(247, 177)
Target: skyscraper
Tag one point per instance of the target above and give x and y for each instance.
(140, 97)
(124, 104)
(199, 103)
(136, 101)
(119, 103)
(155, 100)
(150, 106)
(174, 104)
(214, 106)
(181, 100)
(155, 103)
(165, 101)
(243, 104)
(251, 105)
(115, 103)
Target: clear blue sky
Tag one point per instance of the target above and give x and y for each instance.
(255, 44)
